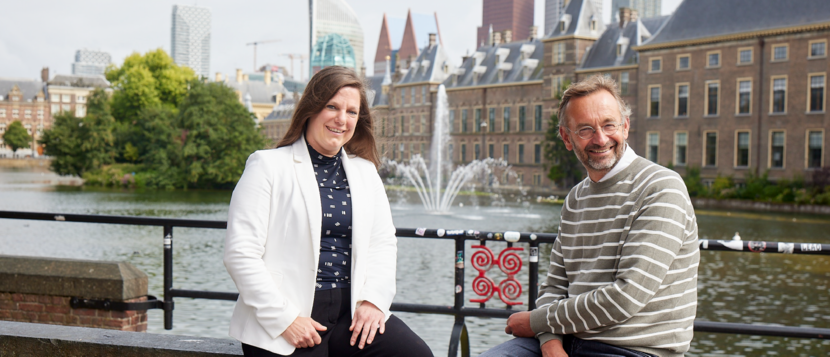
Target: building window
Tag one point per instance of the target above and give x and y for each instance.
(710, 149)
(463, 152)
(505, 152)
(779, 95)
(477, 123)
(452, 121)
(80, 99)
(624, 83)
(490, 150)
(424, 128)
(684, 62)
(619, 49)
(463, 120)
(654, 101)
(2, 112)
(742, 149)
(593, 25)
(653, 146)
(537, 122)
(15, 113)
(27, 114)
(477, 151)
(411, 124)
(66, 107)
(745, 55)
(522, 118)
(655, 65)
(80, 111)
(424, 95)
(776, 149)
(450, 151)
(816, 96)
(815, 148)
(818, 49)
(779, 52)
(412, 95)
(556, 89)
(681, 141)
(506, 119)
(713, 59)
(66, 98)
(712, 94)
(744, 96)
(491, 122)
(395, 126)
(559, 52)
(537, 153)
(682, 100)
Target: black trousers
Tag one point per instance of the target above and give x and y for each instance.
(332, 308)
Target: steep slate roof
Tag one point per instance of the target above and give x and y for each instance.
(376, 89)
(282, 111)
(580, 13)
(73, 80)
(260, 93)
(428, 67)
(29, 88)
(483, 64)
(384, 42)
(409, 45)
(603, 53)
(700, 19)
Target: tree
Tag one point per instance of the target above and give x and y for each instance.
(16, 136)
(564, 168)
(207, 143)
(78, 145)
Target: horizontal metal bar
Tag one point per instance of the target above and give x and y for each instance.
(107, 304)
(131, 220)
(762, 330)
(204, 294)
(449, 310)
(470, 234)
(765, 247)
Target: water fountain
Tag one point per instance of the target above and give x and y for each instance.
(428, 181)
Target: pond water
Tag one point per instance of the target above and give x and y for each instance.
(789, 290)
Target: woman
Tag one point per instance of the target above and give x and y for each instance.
(312, 286)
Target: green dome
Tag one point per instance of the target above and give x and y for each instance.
(332, 50)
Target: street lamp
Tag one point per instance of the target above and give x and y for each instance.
(483, 137)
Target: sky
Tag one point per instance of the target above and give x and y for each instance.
(47, 33)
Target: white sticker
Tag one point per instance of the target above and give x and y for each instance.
(440, 232)
(786, 248)
(512, 237)
(420, 231)
(732, 244)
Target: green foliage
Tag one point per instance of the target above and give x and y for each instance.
(694, 184)
(563, 167)
(77, 145)
(16, 136)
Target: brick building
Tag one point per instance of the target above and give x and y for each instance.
(23, 100)
(736, 87)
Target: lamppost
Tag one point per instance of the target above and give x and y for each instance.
(483, 138)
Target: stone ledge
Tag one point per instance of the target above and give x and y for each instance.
(19, 339)
(70, 277)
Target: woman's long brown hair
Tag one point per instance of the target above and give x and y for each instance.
(320, 89)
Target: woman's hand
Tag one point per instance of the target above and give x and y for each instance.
(367, 320)
(302, 333)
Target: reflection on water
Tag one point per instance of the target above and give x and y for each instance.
(733, 287)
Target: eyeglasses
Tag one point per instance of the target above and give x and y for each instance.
(587, 132)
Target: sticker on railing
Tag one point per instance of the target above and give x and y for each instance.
(509, 262)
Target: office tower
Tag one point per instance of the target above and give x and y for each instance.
(645, 8)
(513, 15)
(90, 63)
(553, 11)
(336, 37)
(190, 38)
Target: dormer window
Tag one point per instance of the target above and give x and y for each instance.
(619, 50)
(564, 22)
(562, 26)
(593, 24)
(622, 46)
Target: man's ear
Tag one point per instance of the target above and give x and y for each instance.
(566, 139)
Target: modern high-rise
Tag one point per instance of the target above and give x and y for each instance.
(645, 8)
(190, 38)
(90, 63)
(513, 15)
(334, 25)
(553, 11)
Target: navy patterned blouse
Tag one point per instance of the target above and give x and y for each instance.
(336, 235)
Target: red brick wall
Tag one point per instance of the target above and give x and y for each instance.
(56, 310)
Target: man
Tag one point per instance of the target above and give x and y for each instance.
(623, 271)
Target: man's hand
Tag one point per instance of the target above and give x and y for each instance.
(302, 333)
(518, 324)
(553, 348)
(367, 320)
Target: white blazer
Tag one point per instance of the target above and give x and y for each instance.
(272, 246)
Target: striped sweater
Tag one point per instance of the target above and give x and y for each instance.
(623, 270)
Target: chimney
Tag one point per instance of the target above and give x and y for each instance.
(267, 77)
(625, 16)
(496, 38)
(245, 77)
(533, 31)
(218, 76)
(44, 74)
(508, 36)
(238, 75)
(431, 40)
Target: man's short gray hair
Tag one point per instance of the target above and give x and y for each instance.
(587, 87)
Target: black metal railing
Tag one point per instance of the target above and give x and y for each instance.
(459, 336)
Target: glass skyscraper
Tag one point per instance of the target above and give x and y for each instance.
(190, 38)
(334, 17)
(90, 63)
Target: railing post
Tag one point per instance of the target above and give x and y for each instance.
(459, 329)
(168, 277)
(533, 281)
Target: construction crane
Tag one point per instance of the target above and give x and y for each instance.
(259, 43)
(302, 59)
